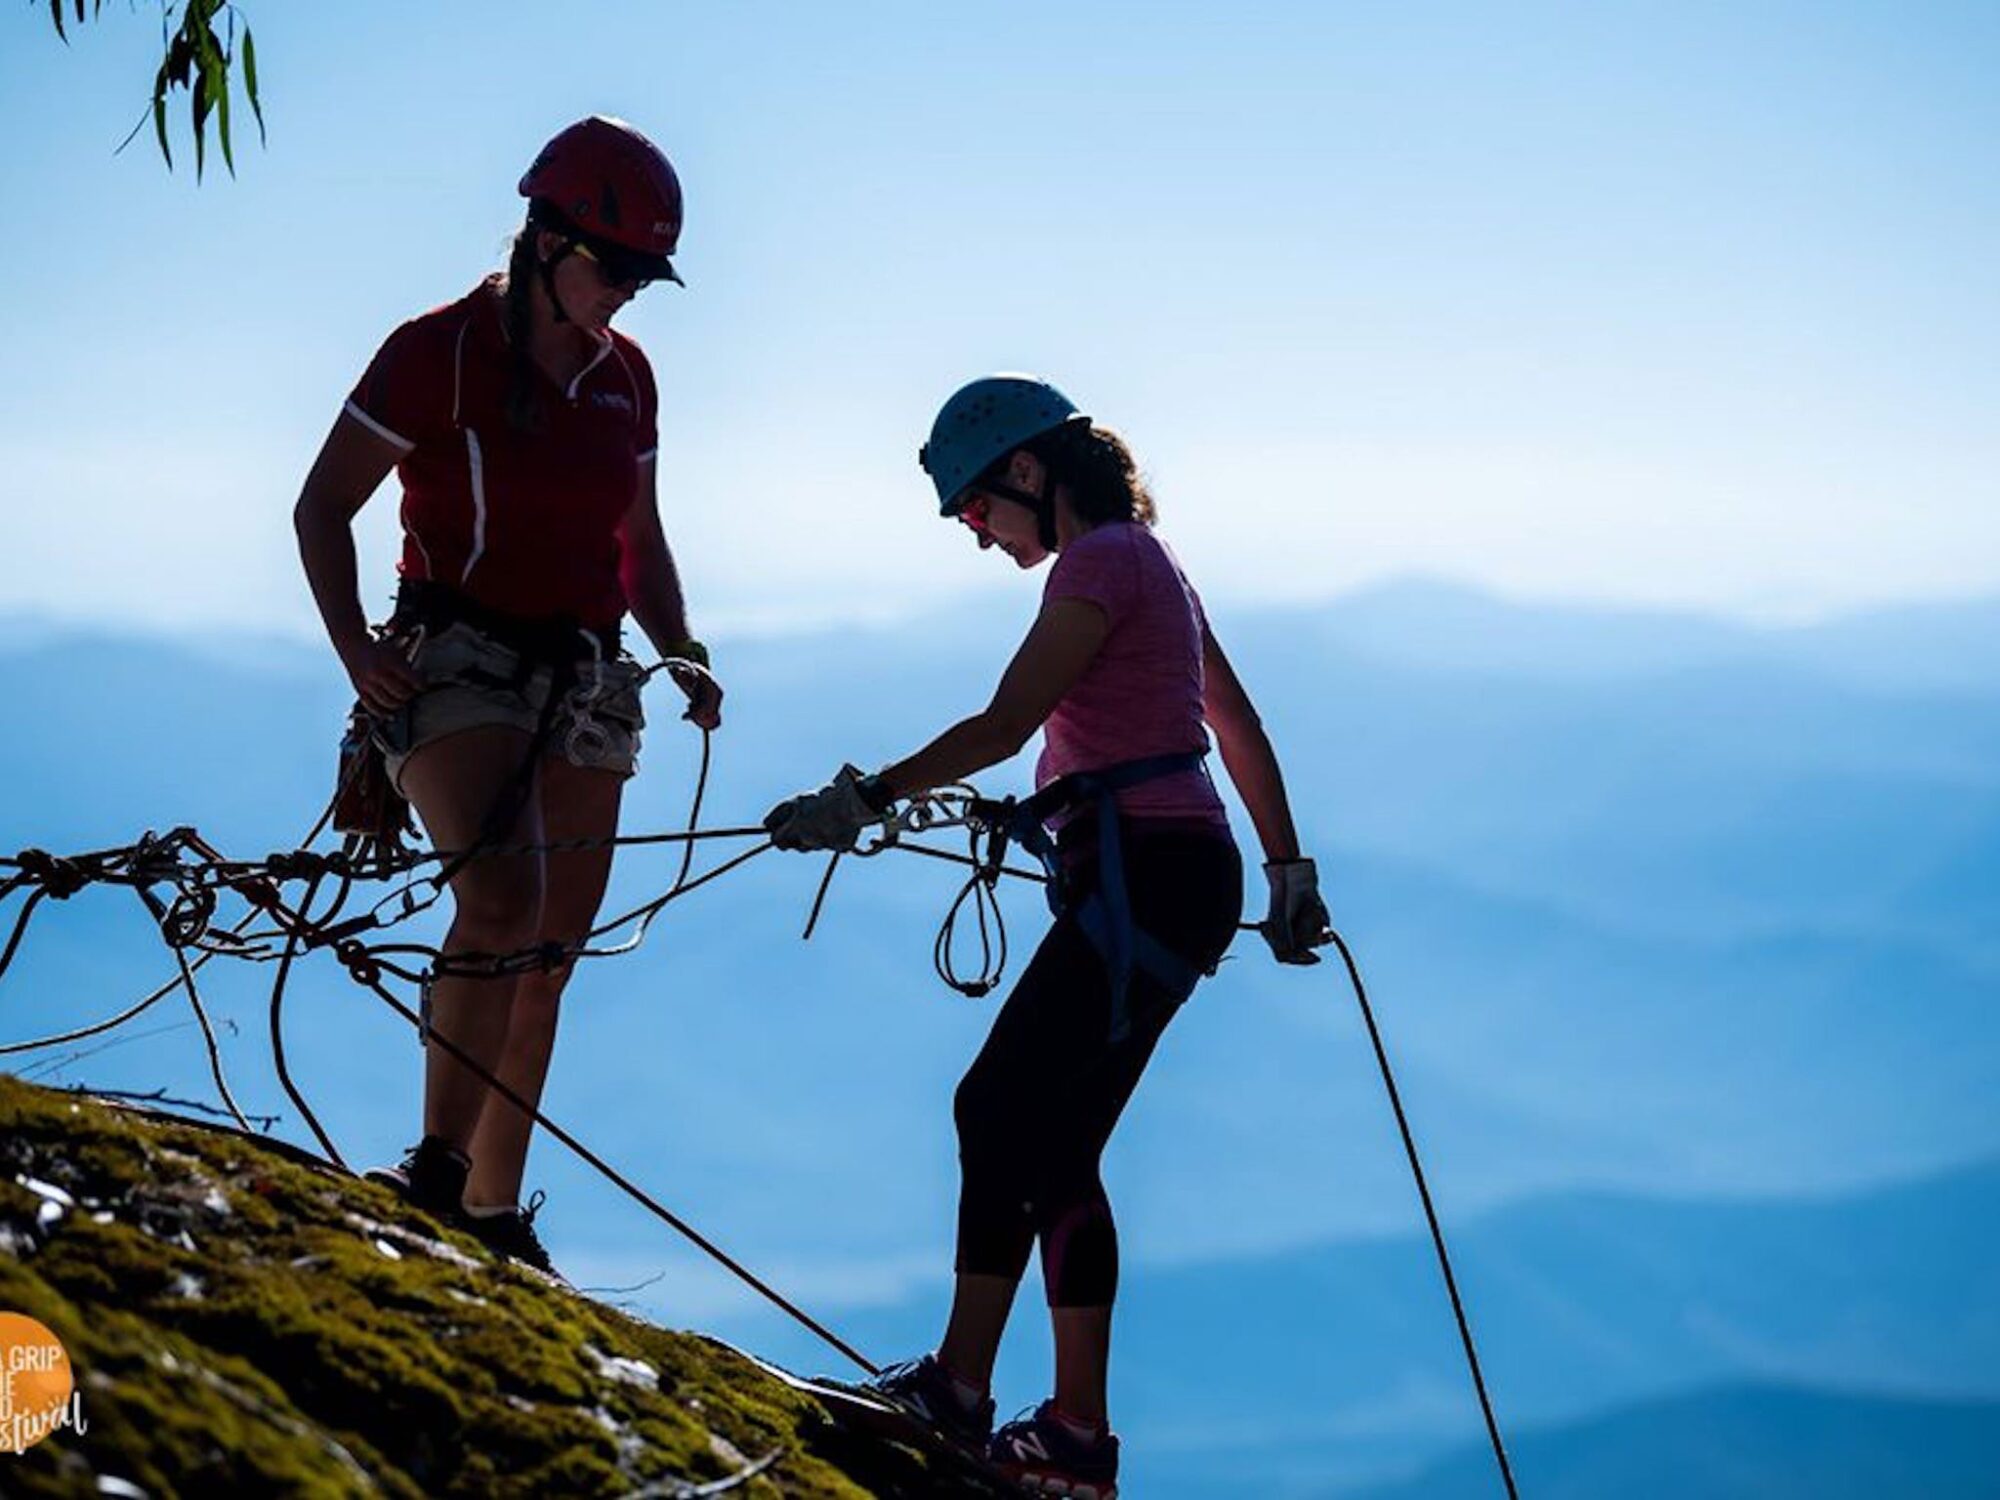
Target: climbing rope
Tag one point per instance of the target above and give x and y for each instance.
(199, 876)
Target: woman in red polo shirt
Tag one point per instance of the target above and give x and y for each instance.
(523, 429)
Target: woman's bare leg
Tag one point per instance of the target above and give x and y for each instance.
(575, 804)
(979, 1308)
(454, 783)
(1083, 1361)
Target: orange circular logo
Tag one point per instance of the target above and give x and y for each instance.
(35, 1383)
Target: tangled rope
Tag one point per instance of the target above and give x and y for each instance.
(184, 881)
(199, 877)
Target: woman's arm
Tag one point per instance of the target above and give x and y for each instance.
(1246, 752)
(646, 568)
(653, 593)
(352, 464)
(1297, 920)
(1063, 641)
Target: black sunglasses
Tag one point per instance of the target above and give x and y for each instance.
(621, 267)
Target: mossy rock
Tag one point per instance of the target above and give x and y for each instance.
(245, 1321)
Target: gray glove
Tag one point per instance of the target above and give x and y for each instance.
(1297, 922)
(830, 818)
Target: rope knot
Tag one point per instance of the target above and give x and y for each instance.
(305, 864)
(359, 962)
(60, 877)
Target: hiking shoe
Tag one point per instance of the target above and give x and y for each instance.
(431, 1176)
(926, 1390)
(1046, 1455)
(510, 1234)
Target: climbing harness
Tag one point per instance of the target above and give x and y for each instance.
(1104, 914)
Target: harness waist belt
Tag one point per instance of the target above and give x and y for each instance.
(552, 638)
(1105, 915)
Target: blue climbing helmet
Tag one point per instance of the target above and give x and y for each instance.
(981, 424)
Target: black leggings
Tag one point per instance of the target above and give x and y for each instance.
(1039, 1102)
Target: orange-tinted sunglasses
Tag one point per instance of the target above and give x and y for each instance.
(975, 513)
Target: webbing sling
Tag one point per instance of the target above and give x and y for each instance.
(1105, 915)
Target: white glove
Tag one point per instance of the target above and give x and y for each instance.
(830, 818)
(1297, 922)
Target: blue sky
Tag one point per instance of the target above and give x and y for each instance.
(1687, 305)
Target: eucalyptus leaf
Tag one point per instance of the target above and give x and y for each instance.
(222, 122)
(250, 80)
(207, 45)
(199, 107)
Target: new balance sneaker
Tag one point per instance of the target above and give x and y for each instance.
(510, 1234)
(431, 1176)
(1048, 1455)
(928, 1391)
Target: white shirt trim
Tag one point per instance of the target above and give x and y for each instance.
(386, 434)
(458, 369)
(476, 461)
(596, 359)
(430, 571)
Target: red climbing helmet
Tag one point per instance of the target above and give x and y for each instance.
(608, 184)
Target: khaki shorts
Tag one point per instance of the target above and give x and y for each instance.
(471, 680)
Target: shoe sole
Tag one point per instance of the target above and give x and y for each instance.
(449, 1217)
(1072, 1489)
(973, 1444)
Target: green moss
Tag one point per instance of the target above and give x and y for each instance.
(238, 1330)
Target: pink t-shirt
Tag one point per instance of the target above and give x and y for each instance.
(1141, 694)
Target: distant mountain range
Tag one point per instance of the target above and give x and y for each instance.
(1282, 1373)
(1437, 626)
(1650, 909)
(1740, 1443)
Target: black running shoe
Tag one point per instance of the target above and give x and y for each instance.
(431, 1176)
(511, 1235)
(1046, 1456)
(926, 1390)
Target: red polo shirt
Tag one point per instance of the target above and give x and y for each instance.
(524, 523)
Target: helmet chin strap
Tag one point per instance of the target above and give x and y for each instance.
(1041, 502)
(548, 270)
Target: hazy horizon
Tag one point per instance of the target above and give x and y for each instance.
(1640, 306)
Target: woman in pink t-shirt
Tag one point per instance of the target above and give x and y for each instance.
(1124, 676)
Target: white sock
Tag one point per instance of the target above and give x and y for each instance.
(1090, 1431)
(490, 1210)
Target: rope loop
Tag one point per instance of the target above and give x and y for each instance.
(186, 920)
(358, 961)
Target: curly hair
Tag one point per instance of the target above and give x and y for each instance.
(1098, 469)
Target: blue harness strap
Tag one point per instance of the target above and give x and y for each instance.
(1105, 915)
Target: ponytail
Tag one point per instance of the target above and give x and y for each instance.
(523, 410)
